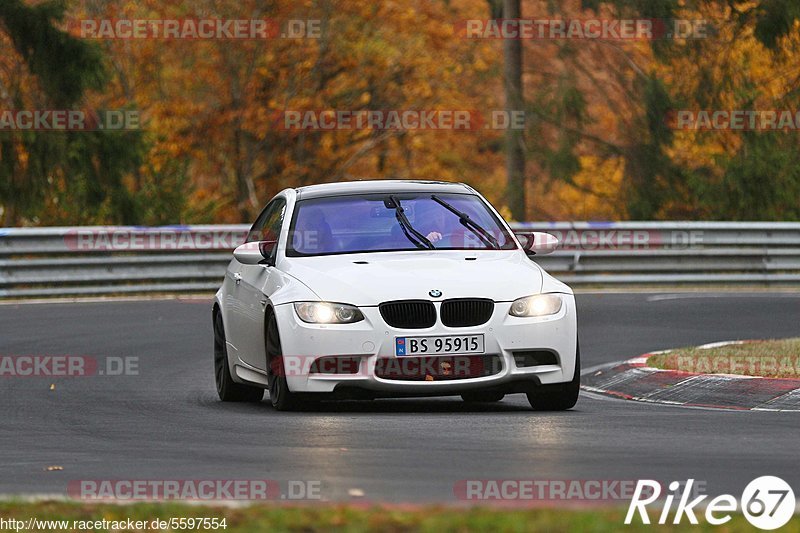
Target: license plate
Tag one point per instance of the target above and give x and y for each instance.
(439, 345)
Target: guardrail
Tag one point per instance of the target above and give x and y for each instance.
(176, 259)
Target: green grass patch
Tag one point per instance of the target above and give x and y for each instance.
(343, 518)
(778, 358)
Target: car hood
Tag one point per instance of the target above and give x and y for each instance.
(369, 279)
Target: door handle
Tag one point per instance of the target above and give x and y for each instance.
(264, 302)
(237, 277)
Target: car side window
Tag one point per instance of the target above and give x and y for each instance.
(268, 224)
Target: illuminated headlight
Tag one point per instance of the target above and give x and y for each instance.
(538, 305)
(327, 313)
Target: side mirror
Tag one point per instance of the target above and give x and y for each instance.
(537, 242)
(255, 253)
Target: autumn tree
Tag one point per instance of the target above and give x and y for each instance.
(43, 173)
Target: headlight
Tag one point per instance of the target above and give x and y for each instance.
(538, 305)
(327, 313)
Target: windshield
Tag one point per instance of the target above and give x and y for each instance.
(370, 223)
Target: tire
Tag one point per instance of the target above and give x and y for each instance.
(482, 397)
(227, 389)
(280, 396)
(561, 396)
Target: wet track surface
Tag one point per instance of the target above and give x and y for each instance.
(166, 422)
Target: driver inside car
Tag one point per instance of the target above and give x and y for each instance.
(430, 221)
(313, 233)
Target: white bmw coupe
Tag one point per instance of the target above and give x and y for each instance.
(372, 289)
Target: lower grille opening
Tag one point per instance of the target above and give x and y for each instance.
(535, 358)
(333, 365)
(438, 368)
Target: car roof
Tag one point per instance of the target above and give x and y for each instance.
(379, 187)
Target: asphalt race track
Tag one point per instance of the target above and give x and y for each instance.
(166, 422)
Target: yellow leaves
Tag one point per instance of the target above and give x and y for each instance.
(447, 31)
(594, 194)
(694, 149)
(214, 103)
(326, 143)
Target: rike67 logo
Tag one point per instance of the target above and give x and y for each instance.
(767, 503)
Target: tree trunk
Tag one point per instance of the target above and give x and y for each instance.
(515, 142)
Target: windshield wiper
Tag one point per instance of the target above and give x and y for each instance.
(421, 240)
(487, 238)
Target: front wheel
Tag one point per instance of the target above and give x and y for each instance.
(227, 389)
(279, 394)
(561, 396)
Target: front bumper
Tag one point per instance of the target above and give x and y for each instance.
(372, 343)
